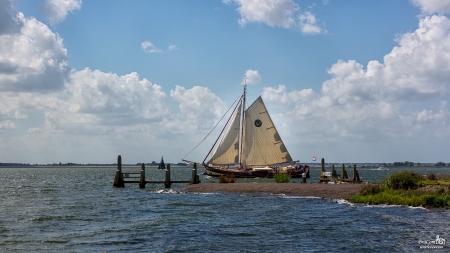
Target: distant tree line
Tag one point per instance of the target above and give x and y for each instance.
(412, 164)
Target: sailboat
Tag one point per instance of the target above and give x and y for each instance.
(161, 165)
(251, 146)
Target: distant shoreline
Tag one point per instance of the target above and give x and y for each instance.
(87, 166)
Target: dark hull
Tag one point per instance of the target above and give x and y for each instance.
(249, 172)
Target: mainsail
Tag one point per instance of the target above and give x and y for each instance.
(262, 144)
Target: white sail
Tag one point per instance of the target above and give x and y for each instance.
(227, 150)
(262, 143)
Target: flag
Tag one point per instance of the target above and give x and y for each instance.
(314, 158)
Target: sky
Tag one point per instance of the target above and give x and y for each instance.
(349, 81)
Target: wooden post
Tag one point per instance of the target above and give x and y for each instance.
(355, 174)
(167, 182)
(322, 171)
(118, 180)
(344, 175)
(322, 166)
(304, 178)
(333, 172)
(142, 179)
(195, 178)
(307, 172)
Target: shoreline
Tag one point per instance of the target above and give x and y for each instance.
(310, 189)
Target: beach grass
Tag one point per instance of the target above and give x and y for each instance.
(229, 178)
(406, 188)
(282, 177)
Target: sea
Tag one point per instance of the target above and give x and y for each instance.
(70, 209)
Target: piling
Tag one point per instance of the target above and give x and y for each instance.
(118, 179)
(355, 174)
(323, 178)
(167, 182)
(142, 179)
(322, 166)
(344, 175)
(195, 179)
(303, 178)
(333, 172)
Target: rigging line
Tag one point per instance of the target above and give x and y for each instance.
(222, 129)
(212, 128)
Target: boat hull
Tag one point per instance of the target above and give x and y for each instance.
(250, 172)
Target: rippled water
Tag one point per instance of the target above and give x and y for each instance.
(78, 210)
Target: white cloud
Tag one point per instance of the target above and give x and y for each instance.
(433, 6)
(198, 105)
(281, 13)
(379, 102)
(104, 95)
(32, 58)
(274, 13)
(308, 23)
(7, 124)
(251, 77)
(57, 10)
(148, 47)
(172, 47)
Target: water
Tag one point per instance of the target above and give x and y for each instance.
(78, 210)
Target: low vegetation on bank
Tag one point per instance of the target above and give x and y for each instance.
(407, 188)
(229, 178)
(282, 177)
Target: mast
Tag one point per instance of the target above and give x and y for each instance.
(242, 122)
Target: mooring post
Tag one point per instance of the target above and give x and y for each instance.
(307, 172)
(167, 182)
(322, 166)
(303, 178)
(118, 179)
(194, 175)
(355, 174)
(344, 175)
(142, 179)
(333, 172)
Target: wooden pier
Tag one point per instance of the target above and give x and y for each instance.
(139, 177)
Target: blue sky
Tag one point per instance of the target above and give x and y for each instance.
(350, 81)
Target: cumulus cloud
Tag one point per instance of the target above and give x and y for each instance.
(251, 77)
(433, 6)
(57, 10)
(375, 102)
(199, 105)
(32, 57)
(281, 13)
(105, 94)
(308, 23)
